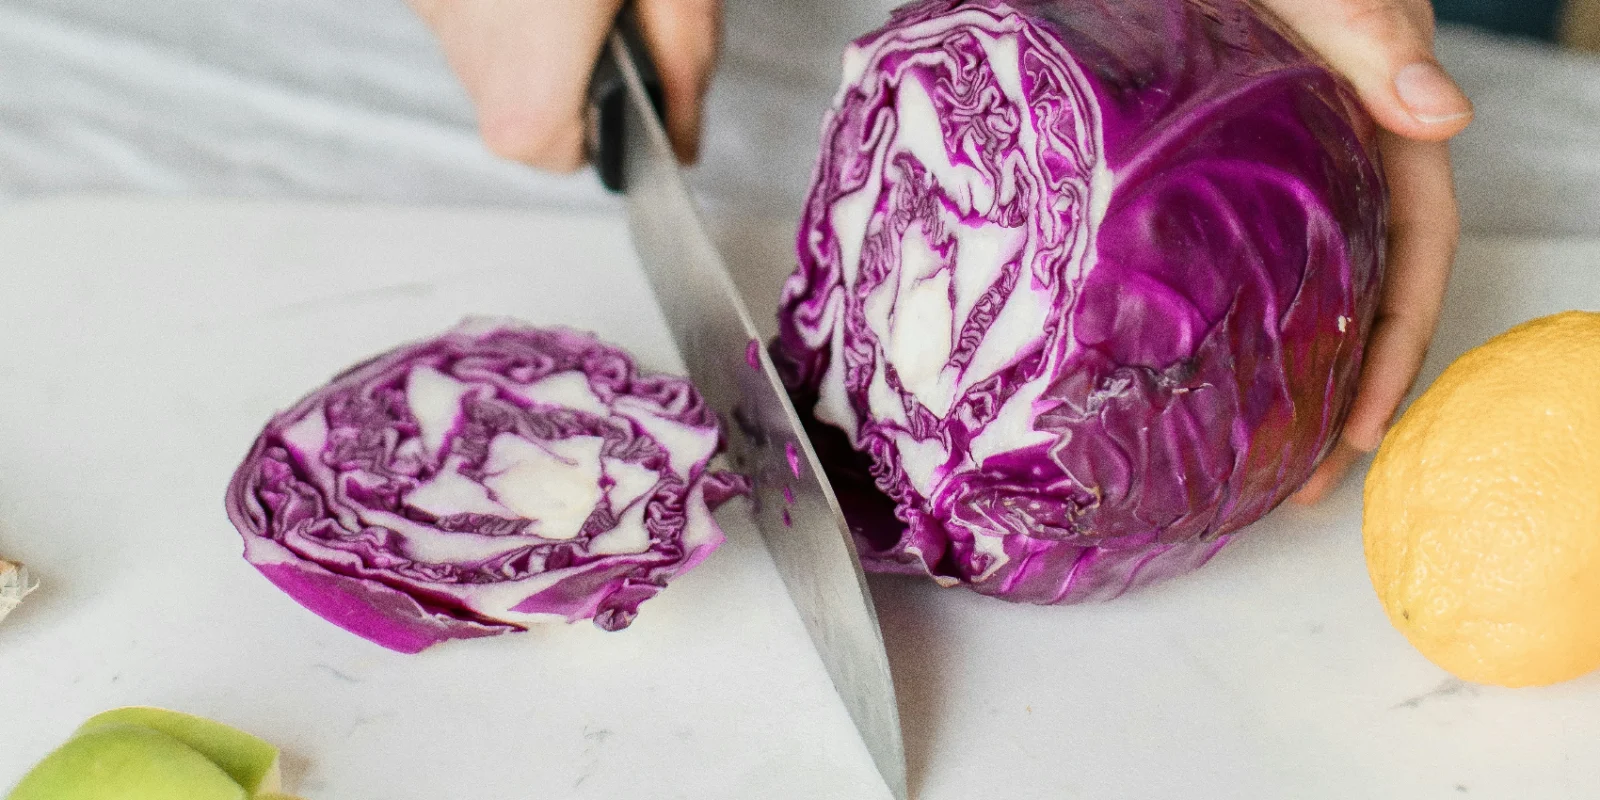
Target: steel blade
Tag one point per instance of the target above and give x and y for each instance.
(796, 511)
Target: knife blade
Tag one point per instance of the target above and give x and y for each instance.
(796, 510)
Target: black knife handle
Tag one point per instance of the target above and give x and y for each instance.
(608, 102)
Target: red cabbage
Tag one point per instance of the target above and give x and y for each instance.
(478, 482)
(1084, 285)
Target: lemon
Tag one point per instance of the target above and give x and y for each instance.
(1482, 509)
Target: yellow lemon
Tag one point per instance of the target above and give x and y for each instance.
(1482, 518)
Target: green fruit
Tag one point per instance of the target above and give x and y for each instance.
(251, 762)
(126, 762)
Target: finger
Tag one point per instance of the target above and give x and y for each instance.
(1385, 49)
(1328, 474)
(1423, 231)
(684, 37)
(526, 66)
(1424, 228)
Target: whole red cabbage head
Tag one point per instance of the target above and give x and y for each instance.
(1083, 287)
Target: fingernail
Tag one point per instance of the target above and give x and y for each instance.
(1430, 95)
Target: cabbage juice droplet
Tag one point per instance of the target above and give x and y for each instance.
(792, 453)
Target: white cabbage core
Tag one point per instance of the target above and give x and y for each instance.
(944, 267)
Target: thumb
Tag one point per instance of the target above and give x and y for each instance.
(1385, 49)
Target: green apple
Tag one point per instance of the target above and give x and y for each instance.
(126, 762)
(251, 762)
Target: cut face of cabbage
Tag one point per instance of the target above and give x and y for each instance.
(1083, 286)
(480, 482)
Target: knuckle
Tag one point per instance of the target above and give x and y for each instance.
(701, 8)
(543, 143)
(1390, 20)
(1375, 16)
(430, 10)
(1423, 15)
(1449, 230)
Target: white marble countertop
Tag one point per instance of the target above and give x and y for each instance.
(143, 346)
(145, 342)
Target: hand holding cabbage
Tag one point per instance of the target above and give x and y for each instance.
(1087, 287)
(1386, 51)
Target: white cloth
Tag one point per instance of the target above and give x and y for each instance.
(257, 98)
(351, 100)
(1530, 163)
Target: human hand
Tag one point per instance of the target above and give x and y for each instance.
(526, 65)
(1385, 49)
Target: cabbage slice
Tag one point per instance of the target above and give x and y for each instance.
(481, 482)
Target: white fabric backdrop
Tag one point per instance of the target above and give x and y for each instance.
(350, 100)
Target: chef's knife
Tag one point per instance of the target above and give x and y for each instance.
(796, 510)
